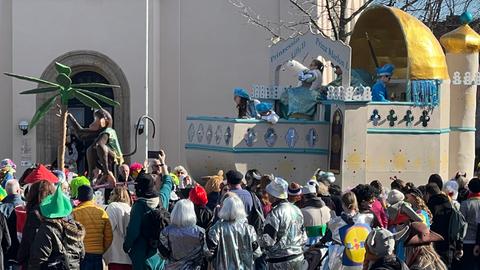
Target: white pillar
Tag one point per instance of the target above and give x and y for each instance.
(462, 46)
(463, 102)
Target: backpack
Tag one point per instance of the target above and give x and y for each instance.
(153, 222)
(353, 237)
(457, 225)
(256, 218)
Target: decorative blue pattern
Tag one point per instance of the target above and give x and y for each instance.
(218, 134)
(375, 117)
(312, 137)
(200, 133)
(191, 132)
(250, 137)
(227, 136)
(425, 92)
(209, 134)
(291, 137)
(270, 137)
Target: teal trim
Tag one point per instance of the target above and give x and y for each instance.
(407, 131)
(463, 129)
(395, 103)
(351, 102)
(258, 150)
(254, 121)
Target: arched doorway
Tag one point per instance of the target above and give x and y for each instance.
(87, 66)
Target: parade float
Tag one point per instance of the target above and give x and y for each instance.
(426, 126)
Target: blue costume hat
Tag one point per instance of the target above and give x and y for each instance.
(386, 70)
(241, 93)
(263, 107)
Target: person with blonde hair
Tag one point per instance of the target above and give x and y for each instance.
(232, 239)
(119, 214)
(184, 179)
(348, 252)
(415, 197)
(182, 243)
(213, 187)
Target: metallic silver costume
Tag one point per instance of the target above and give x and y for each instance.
(284, 237)
(234, 244)
(186, 247)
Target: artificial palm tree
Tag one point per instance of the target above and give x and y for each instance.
(65, 90)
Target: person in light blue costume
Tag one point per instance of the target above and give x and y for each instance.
(379, 89)
(267, 113)
(245, 104)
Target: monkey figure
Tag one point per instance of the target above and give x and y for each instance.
(105, 149)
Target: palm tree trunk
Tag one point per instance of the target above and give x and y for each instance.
(63, 138)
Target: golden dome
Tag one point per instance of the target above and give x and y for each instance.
(400, 39)
(461, 40)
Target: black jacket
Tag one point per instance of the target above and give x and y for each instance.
(7, 208)
(56, 238)
(4, 239)
(213, 200)
(334, 203)
(389, 263)
(32, 223)
(204, 216)
(310, 200)
(441, 209)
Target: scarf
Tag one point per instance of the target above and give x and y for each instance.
(473, 195)
(152, 202)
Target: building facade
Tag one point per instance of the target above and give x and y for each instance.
(198, 52)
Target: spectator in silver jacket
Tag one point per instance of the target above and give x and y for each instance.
(182, 243)
(232, 240)
(283, 235)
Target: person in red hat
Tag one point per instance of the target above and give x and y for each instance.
(40, 173)
(419, 250)
(198, 196)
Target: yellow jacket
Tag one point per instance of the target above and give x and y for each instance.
(98, 230)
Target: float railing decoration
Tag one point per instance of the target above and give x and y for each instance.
(273, 92)
(361, 93)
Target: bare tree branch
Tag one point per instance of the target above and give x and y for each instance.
(358, 11)
(312, 20)
(332, 21)
(306, 15)
(408, 4)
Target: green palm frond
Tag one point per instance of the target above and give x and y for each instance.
(42, 110)
(88, 101)
(65, 90)
(40, 90)
(97, 96)
(94, 85)
(63, 69)
(30, 79)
